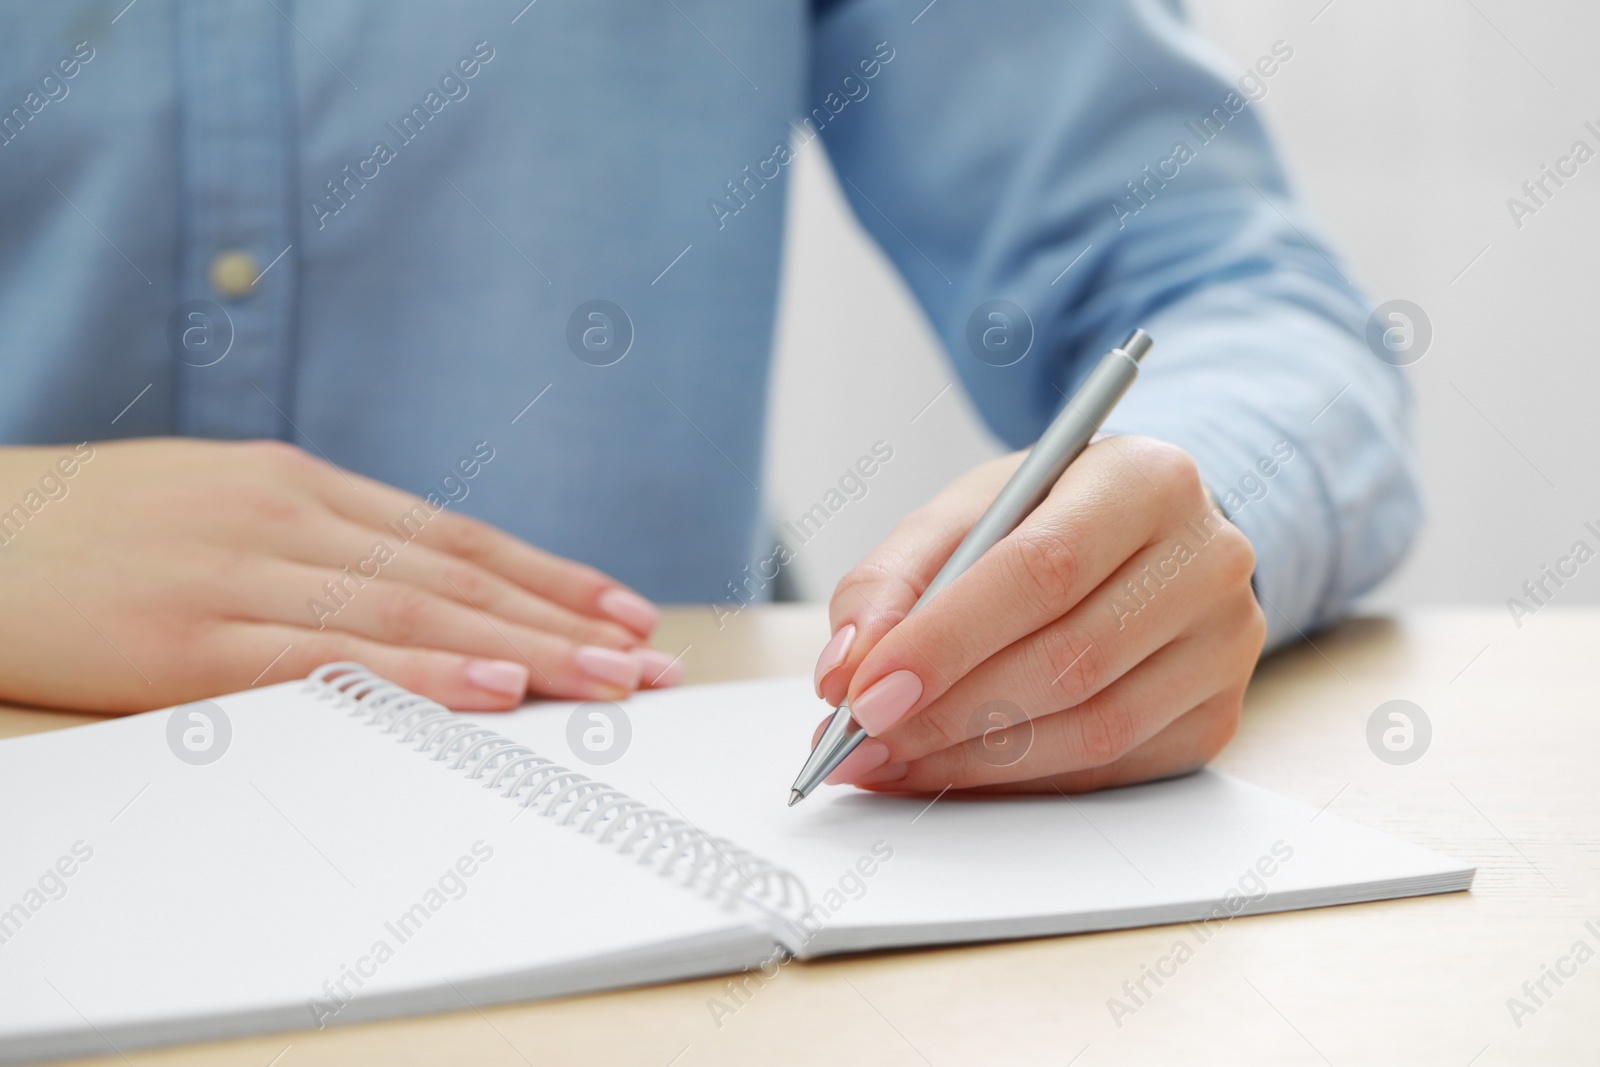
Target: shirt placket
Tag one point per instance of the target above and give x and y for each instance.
(233, 330)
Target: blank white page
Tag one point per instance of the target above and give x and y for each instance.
(219, 899)
(723, 757)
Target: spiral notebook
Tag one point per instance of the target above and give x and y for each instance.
(335, 850)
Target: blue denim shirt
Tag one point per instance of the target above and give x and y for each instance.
(392, 231)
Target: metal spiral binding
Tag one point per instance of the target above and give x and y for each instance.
(713, 866)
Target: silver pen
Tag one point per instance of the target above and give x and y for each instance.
(1061, 443)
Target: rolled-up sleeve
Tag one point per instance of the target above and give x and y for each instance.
(1097, 165)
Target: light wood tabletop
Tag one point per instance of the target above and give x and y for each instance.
(1507, 782)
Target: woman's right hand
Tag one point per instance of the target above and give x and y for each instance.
(161, 571)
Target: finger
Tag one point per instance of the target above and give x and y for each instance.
(573, 585)
(344, 544)
(406, 518)
(879, 591)
(396, 613)
(1100, 731)
(1109, 634)
(1096, 517)
(1192, 741)
(657, 669)
(270, 653)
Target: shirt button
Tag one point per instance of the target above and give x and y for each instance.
(233, 273)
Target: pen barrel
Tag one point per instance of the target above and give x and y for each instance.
(1065, 438)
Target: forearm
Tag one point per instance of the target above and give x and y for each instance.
(1096, 203)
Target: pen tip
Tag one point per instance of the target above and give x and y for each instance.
(795, 797)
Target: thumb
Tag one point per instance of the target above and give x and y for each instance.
(879, 591)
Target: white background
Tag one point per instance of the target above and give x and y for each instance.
(1406, 126)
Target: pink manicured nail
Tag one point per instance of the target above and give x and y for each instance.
(608, 665)
(889, 772)
(833, 654)
(658, 669)
(887, 701)
(869, 755)
(498, 676)
(630, 609)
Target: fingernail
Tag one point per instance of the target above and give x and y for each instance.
(608, 665)
(869, 755)
(498, 676)
(887, 701)
(630, 609)
(833, 654)
(658, 669)
(889, 772)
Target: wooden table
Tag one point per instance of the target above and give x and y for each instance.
(1508, 783)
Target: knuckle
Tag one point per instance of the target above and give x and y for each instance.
(1220, 722)
(1045, 567)
(1255, 628)
(1236, 554)
(324, 648)
(278, 457)
(1241, 628)
(472, 585)
(262, 505)
(268, 449)
(1071, 669)
(929, 732)
(464, 537)
(225, 574)
(404, 613)
(1105, 732)
(976, 486)
(1170, 467)
(870, 574)
(863, 573)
